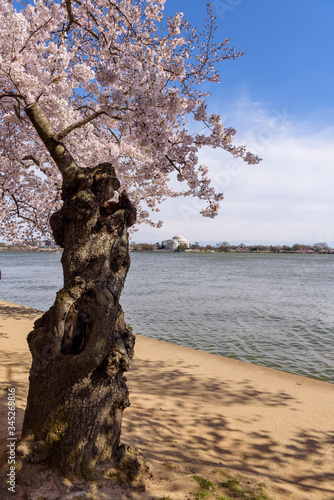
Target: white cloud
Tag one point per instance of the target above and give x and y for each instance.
(287, 198)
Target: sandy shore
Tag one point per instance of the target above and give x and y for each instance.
(196, 413)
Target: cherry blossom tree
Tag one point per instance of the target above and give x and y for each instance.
(96, 98)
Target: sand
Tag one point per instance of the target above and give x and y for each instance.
(197, 413)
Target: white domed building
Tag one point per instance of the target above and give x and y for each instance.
(181, 241)
(176, 242)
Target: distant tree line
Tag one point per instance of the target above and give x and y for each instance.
(321, 247)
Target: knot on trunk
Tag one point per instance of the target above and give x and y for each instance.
(89, 198)
(115, 214)
(130, 466)
(78, 324)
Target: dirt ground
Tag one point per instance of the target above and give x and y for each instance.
(243, 431)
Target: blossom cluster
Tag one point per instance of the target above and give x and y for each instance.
(117, 87)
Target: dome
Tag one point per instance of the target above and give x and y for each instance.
(180, 238)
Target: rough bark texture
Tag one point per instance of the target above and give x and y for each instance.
(82, 345)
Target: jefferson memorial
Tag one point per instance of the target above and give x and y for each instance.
(176, 242)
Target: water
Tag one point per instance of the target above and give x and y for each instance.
(269, 309)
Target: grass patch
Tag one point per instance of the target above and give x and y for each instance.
(205, 484)
(227, 486)
(203, 494)
(207, 487)
(243, 493)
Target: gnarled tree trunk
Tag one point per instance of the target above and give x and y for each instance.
(82, 345)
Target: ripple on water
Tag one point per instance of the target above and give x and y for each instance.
(273, 310)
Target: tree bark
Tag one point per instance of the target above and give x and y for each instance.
(82, 346)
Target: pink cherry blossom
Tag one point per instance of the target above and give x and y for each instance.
(118, 84)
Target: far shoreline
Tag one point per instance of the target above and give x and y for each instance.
(49, 246)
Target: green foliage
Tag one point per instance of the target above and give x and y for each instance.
(233, 485)
(207, 487)
(142, 247)
(202, 494)
(242, 248)
(205, 484)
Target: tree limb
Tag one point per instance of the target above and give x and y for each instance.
(33, 33)
(173, 165)
(11, 94)
(30, 157)
(57, 149)
(72, 20)
(18, 212)
(78, 124)
(112, 4)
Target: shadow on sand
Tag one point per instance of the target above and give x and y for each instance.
(18, 312)
(172, 406)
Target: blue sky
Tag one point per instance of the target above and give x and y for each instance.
(280, 97)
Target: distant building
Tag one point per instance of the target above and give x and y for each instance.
(40, 243)
(171, 244)
(176, 242)
(43, 243)
(182, 242)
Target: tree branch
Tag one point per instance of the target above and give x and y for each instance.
(173, 165)
(33, 33)
(70, 15)
(78, 124)
(72, 20)
(11, 94)
(18, 212)
(32, 158)
(57, 149)
(123, 15)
